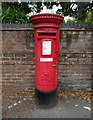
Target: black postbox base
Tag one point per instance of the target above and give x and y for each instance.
(46, 99)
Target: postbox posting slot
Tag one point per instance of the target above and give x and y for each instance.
(48, 34)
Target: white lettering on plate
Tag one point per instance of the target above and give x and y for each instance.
(46, 59)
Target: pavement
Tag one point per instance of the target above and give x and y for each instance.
(65, 108)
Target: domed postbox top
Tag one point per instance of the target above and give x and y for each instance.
(49, 20)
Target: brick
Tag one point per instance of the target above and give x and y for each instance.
(18, 60)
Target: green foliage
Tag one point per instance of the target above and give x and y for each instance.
(67, 8)
(72, 21)
(33, 95)
(14, 13)
(89, 18)
(17, 13)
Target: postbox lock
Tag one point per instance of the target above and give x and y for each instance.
(55, 65)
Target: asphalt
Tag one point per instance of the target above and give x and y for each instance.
(65, 108)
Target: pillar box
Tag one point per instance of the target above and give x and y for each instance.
(47, 40)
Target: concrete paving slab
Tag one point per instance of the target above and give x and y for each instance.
(65, 108)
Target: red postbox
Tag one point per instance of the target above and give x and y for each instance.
(47, 40)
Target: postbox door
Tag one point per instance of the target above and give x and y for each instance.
(47, 71)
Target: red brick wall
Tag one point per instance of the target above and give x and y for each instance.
(75, 61)
(18, 67)
(18, 60)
